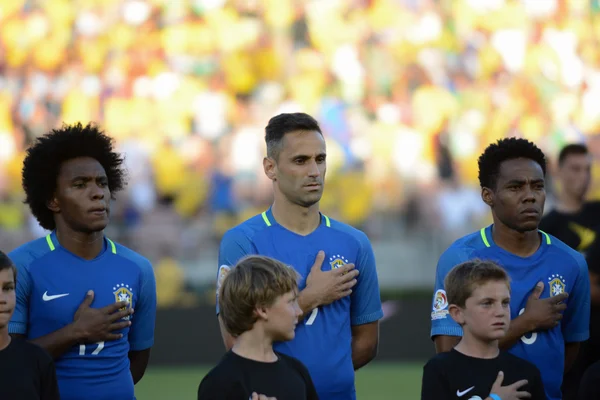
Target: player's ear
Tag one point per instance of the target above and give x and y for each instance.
(487, 195)
(261, 312)
(270, 168)
(53, 205)
(457, 314)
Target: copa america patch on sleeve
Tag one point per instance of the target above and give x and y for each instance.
(440, 305)
(223, 271)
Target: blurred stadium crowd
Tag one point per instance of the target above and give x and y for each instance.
(408, 93)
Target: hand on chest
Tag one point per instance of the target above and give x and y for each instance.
(554, 284)
(303, 260)
(60, 296)
(544, 299)
(479, 385)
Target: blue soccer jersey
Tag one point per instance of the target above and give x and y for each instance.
(558, 266)
(51, 284)
(323, 340)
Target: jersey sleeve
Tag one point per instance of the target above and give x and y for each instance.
(576, 321)
(18, 322)
(141, 332)
(365, 298)
(234, 246)
(434, 386)
(441, 321)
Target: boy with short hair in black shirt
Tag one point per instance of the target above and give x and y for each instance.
(258, 306)
(26, 370)
(479, 296)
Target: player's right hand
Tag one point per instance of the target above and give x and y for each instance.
(332, 285)
(99, 324)
(256, 396)
(544, 313)
(510, 392)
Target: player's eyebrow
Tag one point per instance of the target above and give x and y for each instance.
(300, 157)
(520, 181)
(516, 182)
(88, 178)
(494, 299)
(307, 157)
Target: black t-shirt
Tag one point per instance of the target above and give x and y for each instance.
(578, 230)
(236, 378)
(589, 389)
(453, 375)
(27, 372)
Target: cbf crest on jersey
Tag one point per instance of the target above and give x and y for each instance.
(336, 261)
(557, 284)
(123, 292)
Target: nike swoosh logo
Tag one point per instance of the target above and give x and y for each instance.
(459, 393)
(45, 297)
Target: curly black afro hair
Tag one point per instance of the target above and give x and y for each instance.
(45, 157)
(503, 150)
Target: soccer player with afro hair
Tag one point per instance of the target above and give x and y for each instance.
(66, 148)
(77, 289)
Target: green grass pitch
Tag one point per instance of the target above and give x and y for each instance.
(378, 381)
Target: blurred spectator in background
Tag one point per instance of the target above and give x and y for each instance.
(573, 219)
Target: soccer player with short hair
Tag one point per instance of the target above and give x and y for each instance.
(28, 372)
(576, 222)
(339, 298)
(550, 302)
(77, 289)
(259, 305)
(479, 301)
